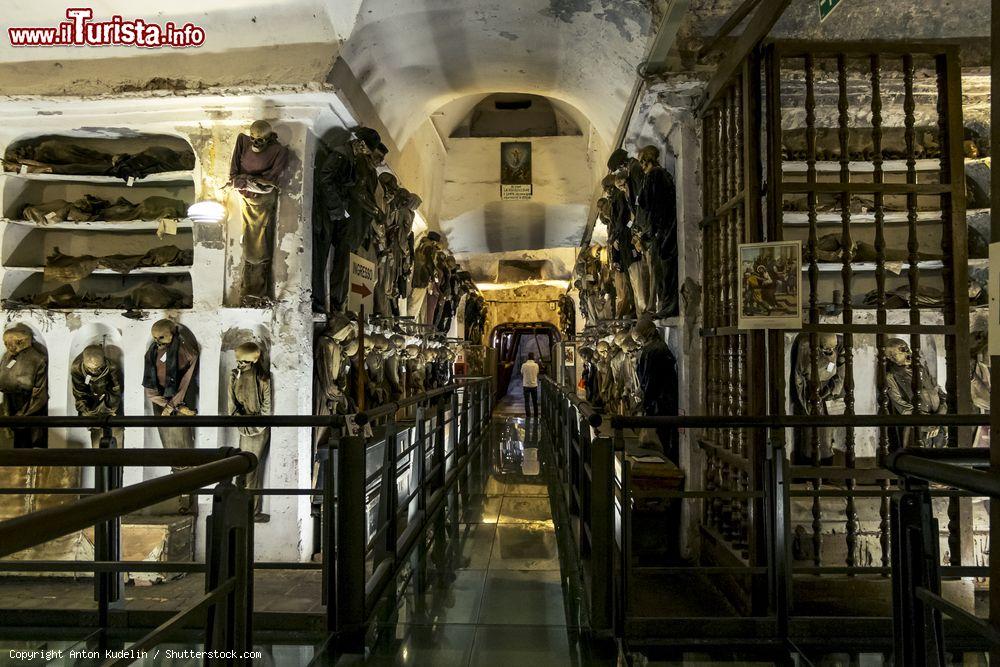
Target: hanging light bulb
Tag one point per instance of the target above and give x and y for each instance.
(207, 211)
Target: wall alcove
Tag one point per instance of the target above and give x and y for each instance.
(100, 209)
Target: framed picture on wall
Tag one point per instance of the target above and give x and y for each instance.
(770, 285)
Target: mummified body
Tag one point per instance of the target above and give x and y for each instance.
(24, 384)
(258, 162)
(250, 395)
(97, 390)
(928, 399)
(828, 388)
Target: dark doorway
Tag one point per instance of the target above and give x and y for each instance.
(513, 341)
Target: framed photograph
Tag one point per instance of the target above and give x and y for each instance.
(770, 293)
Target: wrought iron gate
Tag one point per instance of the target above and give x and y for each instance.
(863, 147)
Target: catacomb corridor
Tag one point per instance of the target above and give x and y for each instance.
(498, 332)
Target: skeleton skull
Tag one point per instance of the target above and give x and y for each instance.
(163, 332)
(17, 338)
(827, 345)
(897, 352)
(94, 360)
(247, 354)
(260, 135)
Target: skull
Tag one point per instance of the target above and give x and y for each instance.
(17, 338)
(260, 135)
(390, 185)
(898, 352)
(399, 342)
(827, 345)
(381, 342)
(163, 332)
(247, 354)
(94, 360)
(649, 157)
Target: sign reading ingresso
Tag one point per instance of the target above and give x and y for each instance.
(362, 284)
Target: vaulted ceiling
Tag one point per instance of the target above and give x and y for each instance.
(415, 56)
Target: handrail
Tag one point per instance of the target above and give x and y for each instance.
(796, 421)
(39, 527)
(915, 463)
(206, 421)
(390, 408)
(113, 457)
(587, 411)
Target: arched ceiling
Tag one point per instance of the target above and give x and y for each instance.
(414, 57)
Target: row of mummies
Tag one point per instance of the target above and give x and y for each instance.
(361, 210)
(169, 381)
(396, 366)
(636, 272)
(818, 389)
(633, 372)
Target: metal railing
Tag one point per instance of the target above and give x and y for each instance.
(367, 526)
(227, 602)
(918, 604)
(599, 485)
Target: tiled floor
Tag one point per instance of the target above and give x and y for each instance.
(490, 588)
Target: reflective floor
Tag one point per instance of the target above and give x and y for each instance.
(488, 587)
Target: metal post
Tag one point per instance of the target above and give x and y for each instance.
(388, 501)
(779, 544)
(439, 444)
(420, 466)
(229, 622)
(602, 527)
(107, 538)
(328, 528)
(352, 543)
(909, 636)
(456, 444)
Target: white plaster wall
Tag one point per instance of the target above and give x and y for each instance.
(476, 220)
(210, 124)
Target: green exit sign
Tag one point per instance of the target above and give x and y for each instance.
(827, 6)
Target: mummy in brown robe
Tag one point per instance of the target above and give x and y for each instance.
(24, 383)
(250, 395)
(258, 162)
(170, 380)
(97, 390)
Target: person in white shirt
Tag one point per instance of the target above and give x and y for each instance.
(529, 380)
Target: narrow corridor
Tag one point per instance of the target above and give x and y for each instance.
(494, 584)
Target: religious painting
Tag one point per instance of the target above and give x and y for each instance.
(515, 170)
(770, 293)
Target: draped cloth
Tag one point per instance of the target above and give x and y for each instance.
(71, 268)
(258, 242)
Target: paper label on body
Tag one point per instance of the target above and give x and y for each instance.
(24, 169)
(166, 226)
(131, 181)
(52, 217)
(163, 359)
(10, 364)
(894, 267)
(86, 380)
(830, 367)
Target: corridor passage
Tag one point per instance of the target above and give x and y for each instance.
(495, 583)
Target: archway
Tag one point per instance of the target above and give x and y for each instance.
(513, 341)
